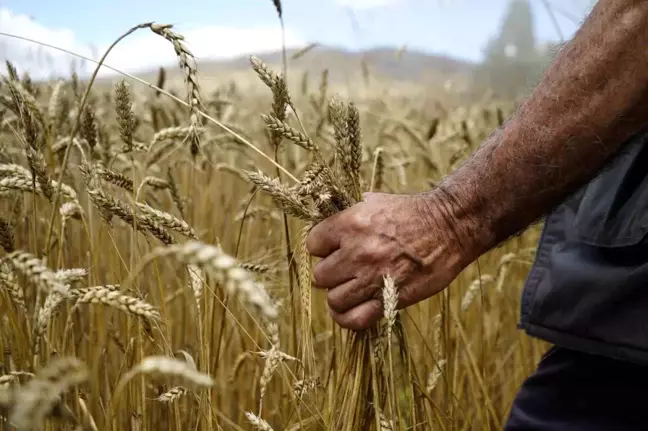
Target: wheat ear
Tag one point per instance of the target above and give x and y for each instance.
(259, 423)
(36, 400)
(125, 116)
(378, 171)
(172, 395)
(473, 291)
(109, 206)
(6, 236)
(187, 63)
(166, 220)
(305, 277)
(32, 268)
(225, 269)
(283, 196)
(112, 297)
(12, 287)
(169, 367)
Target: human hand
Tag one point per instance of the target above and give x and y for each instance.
(412, 238)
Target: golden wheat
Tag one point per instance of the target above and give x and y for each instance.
(74, 283)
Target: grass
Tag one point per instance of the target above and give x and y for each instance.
(155, 274)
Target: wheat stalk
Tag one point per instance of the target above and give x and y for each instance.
(25, 184)
(14, 376)
(172, 395)
(305, 286)
(385, 424)
(12, 287)
(473, 291)
(435, 375)
(355, 149)
(303, 51)
(187, 63)
(390, 302)
(35, 400)
(268, 77)
(70, 210)
(113, 177)
(273, 360)
(283, 129)
(166, 220)
(283, 196)
(125, 116)
(225, 269)
(172, 133)
(259, 423)
(257, 213)
(257, 268)
(196, 280)
(310, 181)
(36, 163)
(6, 236)
(90, 424)
(88, 130)
(110, 206)
(302, 387)
(12, 169)
(155, 183)
(175, 193)
(43, 319)
(55, 107)
(70, 276)
(24, 104)
(164, 366)
(378, 171)
(39, 274)
(238, 364)
(112, 297)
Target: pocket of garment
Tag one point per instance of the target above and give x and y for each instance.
(613, 210)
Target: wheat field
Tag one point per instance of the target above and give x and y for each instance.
(154, 273)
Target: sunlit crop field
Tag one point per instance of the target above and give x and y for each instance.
(154, 273)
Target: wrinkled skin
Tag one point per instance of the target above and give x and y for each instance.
(407, 237)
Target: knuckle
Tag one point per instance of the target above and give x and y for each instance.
(384, 247)
(369, 316)
(370, 253)
(359, 221)
(359, 322)
(367, 253)
(335, 301)
(319, 273)
(342, 323)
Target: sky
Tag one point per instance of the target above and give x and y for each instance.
(217, 29)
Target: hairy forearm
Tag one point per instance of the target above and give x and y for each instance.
(591, 100)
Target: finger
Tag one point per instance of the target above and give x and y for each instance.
(361, 317)
(333, 270)
(349, 295)
(324, 238)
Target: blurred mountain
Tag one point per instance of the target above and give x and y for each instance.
(344, 67)
(392, 64)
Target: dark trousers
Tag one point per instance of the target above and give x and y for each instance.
(576, 391)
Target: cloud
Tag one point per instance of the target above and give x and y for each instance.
(140, 51)
(367, 4)
(37, 60)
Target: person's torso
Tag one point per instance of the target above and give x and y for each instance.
(588, 288)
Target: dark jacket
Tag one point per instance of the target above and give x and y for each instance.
(588, 288)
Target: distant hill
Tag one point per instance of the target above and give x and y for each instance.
(382, 62)
(345, 67)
